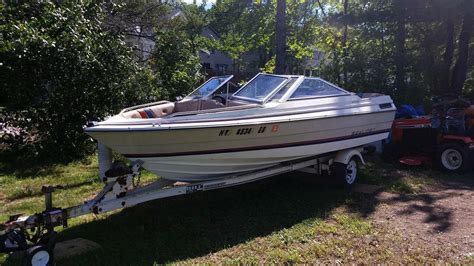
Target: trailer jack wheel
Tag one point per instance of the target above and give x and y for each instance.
(42, 252)
(39, 255)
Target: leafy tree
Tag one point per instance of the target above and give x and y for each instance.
(245, 27)
(60, 67)
(176, 33)
(249, 26)
(175, 59)
(404, 48)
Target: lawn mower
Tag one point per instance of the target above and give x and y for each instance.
(444, 139)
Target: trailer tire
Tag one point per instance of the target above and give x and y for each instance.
(39, 255)
(453, 157)
(346, 174)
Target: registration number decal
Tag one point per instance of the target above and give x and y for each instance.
(194, 188)
(246, 131)
(362, 132)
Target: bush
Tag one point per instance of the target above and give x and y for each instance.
(59, 68)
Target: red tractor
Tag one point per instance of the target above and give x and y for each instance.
(445, 138)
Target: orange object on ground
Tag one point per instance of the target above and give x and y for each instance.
(415, 160)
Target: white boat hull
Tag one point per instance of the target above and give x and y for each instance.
(196, 154)
(198, 139)
(219, 165)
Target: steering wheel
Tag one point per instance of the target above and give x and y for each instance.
(219, 99)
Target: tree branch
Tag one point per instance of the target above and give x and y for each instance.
(321, 7)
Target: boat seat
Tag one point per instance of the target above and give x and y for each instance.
(186, 106)
(235, 103)
(210, 104)
(164, 109)
(196, 105)
(155, 111)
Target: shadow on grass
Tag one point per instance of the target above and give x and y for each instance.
(185, 227)
(418, 189)
(439, 216)
(400, 178)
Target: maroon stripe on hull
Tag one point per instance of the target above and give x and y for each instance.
(254, 148)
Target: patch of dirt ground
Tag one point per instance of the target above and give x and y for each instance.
(438, 221)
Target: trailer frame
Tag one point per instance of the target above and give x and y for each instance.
(119, 193)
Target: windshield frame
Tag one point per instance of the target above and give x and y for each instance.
(344, 92)
(261, 101)
(227, 78)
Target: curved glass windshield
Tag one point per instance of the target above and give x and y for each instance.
(207, 88)
(315, 88)
(260, 87)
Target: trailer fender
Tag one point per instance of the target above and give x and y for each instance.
(345, 155)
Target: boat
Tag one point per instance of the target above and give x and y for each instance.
(219, 130)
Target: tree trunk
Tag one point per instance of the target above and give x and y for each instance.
(280, 37)
(400, 37)
(336, 64)
(461, 66)
(382, 40)
(447, 57)
(344, 43)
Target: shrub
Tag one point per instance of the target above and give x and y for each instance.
(59, 68)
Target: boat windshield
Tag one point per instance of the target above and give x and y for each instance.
(209, 86)
(260, 87)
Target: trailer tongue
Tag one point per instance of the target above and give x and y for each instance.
(35, 236)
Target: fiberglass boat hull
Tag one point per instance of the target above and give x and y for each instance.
(202, 153)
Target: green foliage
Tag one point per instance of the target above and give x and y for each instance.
(359, 44)
(244, 28)
(64, 63)
(370, 54)
(59, 68)
(269, 66)
(249, 27)
(175, 60)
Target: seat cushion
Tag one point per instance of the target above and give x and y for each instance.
(155, 111)
(162, 109)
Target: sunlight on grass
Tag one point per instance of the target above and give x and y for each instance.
(354, 225)
(404, 179)
(470, 258)
(302, 243)
(79, 181)
(279, 221)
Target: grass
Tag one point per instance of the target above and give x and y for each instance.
(284, 219)
(397, 178)
(23, 194)
(470, 258)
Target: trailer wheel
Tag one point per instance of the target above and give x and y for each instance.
(39, 255)
(453, 157)
(346, 174)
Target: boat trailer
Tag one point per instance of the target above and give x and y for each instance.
(34, 235)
